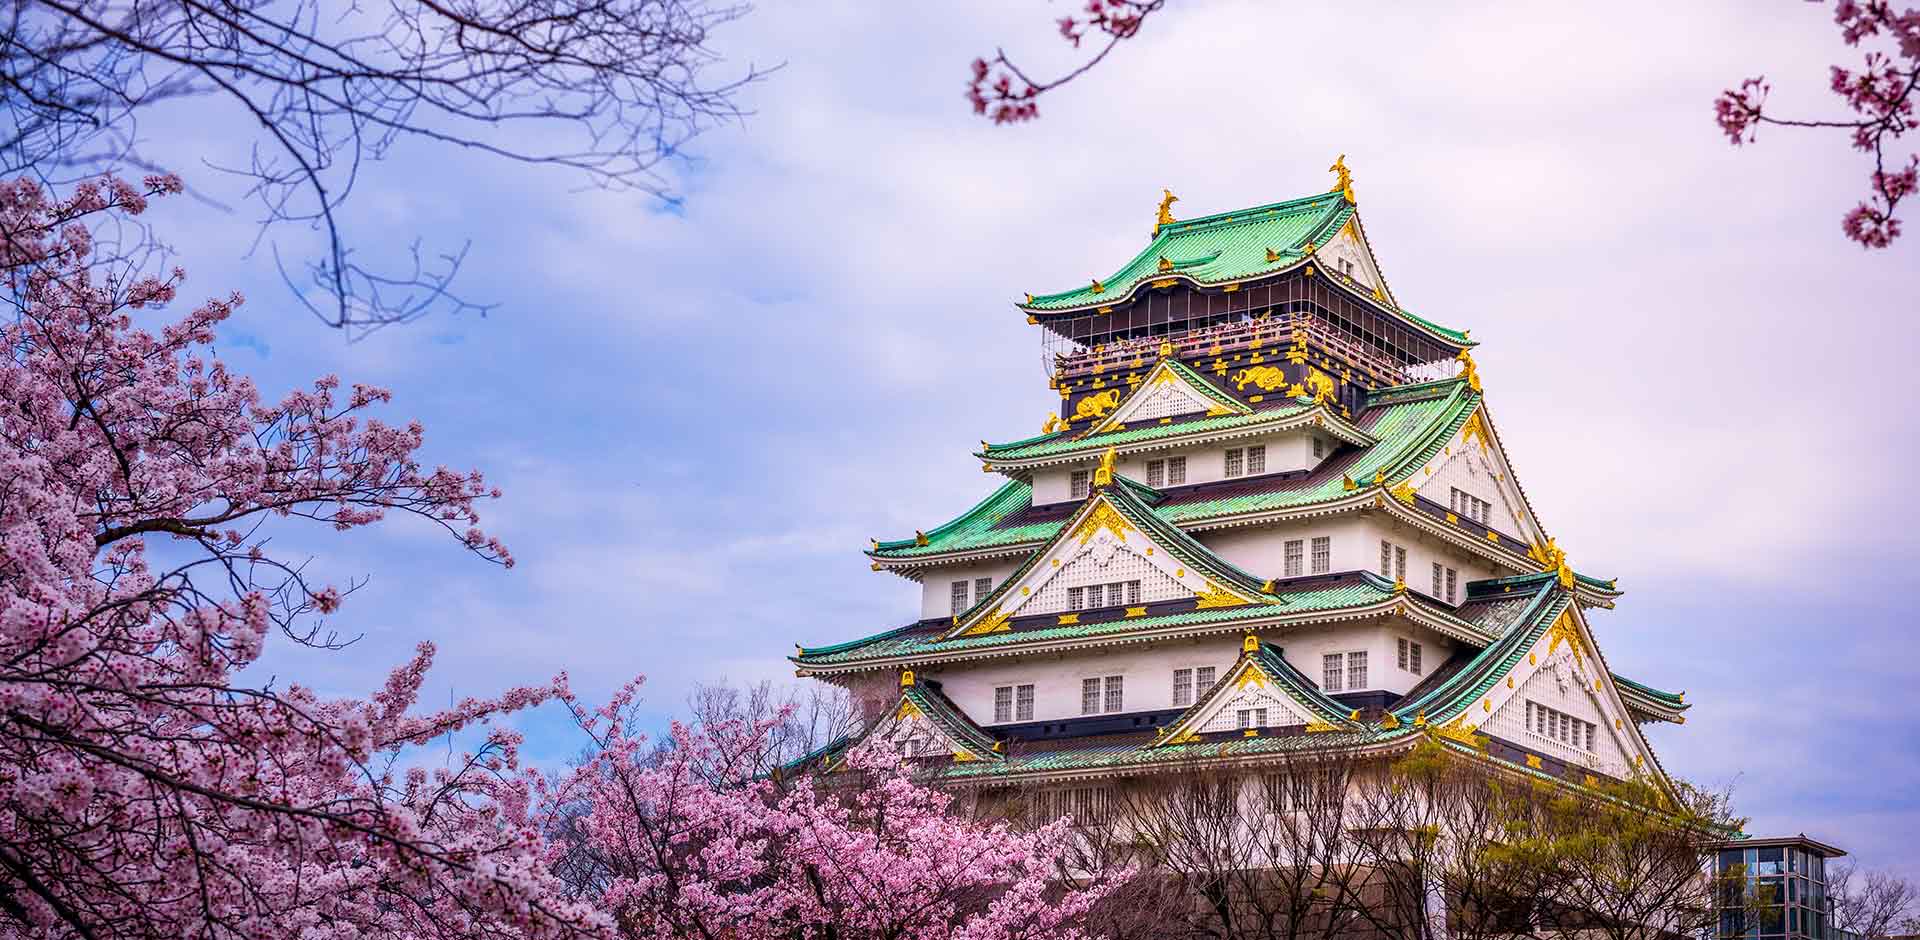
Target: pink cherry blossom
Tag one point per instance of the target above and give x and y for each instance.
(146, 791)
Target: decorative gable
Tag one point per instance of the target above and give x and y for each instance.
(1473, 464)
(1170, 389)
(1261, 690)
(1347, 256)
(925, 724)
(1560, 701)
(1112, 553)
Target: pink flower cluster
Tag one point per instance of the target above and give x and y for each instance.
(682, 842)
(145, 791)
(1881, 97)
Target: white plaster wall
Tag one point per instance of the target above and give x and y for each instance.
(1056, 679)
(1261, 550)
(1292, 450)
(1148, 671)
(936, 585)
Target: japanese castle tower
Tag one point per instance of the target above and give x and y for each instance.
(1272, 516)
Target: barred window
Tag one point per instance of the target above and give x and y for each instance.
(1183, 687)
(1322, 554)
(1235, 465)
(1256, 459)
(1087, 805)
(1386, 559)
(1076, 599)
(1436, 579)
(1133, 592)
(1176, 471)
(1113, 693)
(1319, 447)
(959, 596)
(1333, 673)
(1252, 718)
(1415, 659)
(1077, 485)
(1089, 696)
(981, 588)
(1276, 788)
(1023, 703)
(1093, 595)
(1401, 647)
(1003, 703)
(1296, 550)
(1400, 563)
(1356, 671)
(1202, 679)
(1156, 473)
(1453, 584)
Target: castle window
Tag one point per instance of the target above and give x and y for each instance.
(1133, 592)
(1093, 595)
(1087, 805)
(1236, 462)
(1203, 679)
(1453, 584)
(1183, 687)
(1409, 656)
(1252, 718)
(1400, 563)
(1156, 473)
(1296, 552)
(1256, 459)
(1333, 674)
(1023, 702)
(1176, 471)
(1356, 670)
(981, 588)
(1089, 696)
(1113, 693)
(1386, 559)
(1003, 703)
(1560, 727)
(1436, 579)
(1319, 448)
(959, 596)
(1322, 554)
(1076, 599)
(1473, 507)
(1077, 484)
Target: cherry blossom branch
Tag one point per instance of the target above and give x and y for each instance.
(1003, 92)
(1882, 97)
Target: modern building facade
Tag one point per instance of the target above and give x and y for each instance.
(1270, 514)
(1784, 889)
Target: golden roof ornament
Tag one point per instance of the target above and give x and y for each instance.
(1103, 474)
(1098, 287)
(1272, 256)
(1165, 265)
(906, 678)
(1167, 199)
(1343, 183)
(1166, 348)
(1468, 370)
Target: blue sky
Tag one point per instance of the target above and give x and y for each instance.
(699, 415)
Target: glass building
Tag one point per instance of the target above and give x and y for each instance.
(1775, 889)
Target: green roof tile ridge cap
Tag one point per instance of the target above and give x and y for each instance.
(830, 649)
(1004, 490)
(1672, 698)
(1247, 215)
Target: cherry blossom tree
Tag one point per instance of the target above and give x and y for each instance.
(1881, 97)
(147, 789)
(686, 841)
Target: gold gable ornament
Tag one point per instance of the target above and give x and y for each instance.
(1165, 216)
(1216, 596)
(1343, 179)
(1468, 370)
(906, 678)
(1103, 474)
(1251, 644)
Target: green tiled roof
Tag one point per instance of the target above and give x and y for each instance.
(1486, 669)
(1409, 423)
(1669, 698)
(1122, 755)
(1223, 248)
(950, 720)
